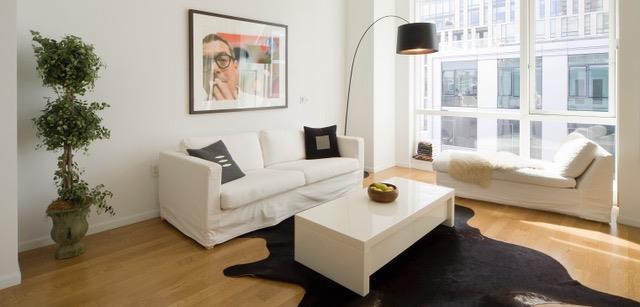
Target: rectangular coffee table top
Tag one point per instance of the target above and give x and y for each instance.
(357, 217)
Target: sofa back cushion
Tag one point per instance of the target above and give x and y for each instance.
(282, 146)
(243, 147)
(574, 155)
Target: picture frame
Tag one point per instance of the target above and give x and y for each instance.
(236, 64)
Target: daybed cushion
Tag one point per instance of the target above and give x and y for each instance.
(282, 146)
(258, 184)
(243, 147)
(574, 155)
(546, 176)
(320, 169)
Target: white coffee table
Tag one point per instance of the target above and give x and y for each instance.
(350, 238)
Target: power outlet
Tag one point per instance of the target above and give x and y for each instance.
(155, 170)
(303, 100)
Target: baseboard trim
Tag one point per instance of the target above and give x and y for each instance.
(11, 279)
(403, 164)
(93, 228)
(629, 221)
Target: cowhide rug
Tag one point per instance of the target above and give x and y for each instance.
(447, 267)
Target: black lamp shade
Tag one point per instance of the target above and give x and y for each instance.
(417, 38)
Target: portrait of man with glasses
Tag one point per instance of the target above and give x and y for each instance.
(220, 69)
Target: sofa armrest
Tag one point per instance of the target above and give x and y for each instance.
(352, 147)
(189, 188)
(596, 183)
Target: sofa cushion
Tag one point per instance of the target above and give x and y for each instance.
(244, 147)
(574, 155)
(258, 184)
(218, 153)
(541, 177)
(281, 146)
(547, 175)
(319, 169)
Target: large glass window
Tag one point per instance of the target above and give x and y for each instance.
(589, 82)
(459, 84)
(478, 82)
(509, 83)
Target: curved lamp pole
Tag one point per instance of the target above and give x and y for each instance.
(413, 39)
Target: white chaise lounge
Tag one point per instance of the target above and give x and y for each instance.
(279, 183)
(578, 184)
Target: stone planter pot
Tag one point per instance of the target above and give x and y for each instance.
(69, 227)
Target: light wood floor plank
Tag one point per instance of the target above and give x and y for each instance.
(152, 264)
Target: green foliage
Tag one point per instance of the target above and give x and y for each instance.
(70, 122)
(70, 67)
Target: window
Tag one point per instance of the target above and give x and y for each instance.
(459, 133)
(459, 84)
(474, 13)
(508, 135)
(602, 23)
(547, 136)
(499, 11)
(593, 5)
(540, 10)
(477, 96)
(558, 8)
(589, 82)
(509, 83)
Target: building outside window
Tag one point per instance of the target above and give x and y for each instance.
(459, 84)
(589, 82)
(509, 83)
(459, 133)
(499, 11)
(490, 104)
(508, 135)
(474, 13)
(558, 8)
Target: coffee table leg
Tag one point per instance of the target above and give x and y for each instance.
(451, 204)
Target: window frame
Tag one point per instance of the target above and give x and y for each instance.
(527, 113)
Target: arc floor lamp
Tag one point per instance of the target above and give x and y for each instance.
(413, 38)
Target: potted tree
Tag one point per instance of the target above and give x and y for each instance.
(68, 124)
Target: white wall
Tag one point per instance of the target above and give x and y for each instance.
(360, 14)
(9, 270)
(629, 113)
(384, 85)
(405, 89)
(144, 45)
(372, 111)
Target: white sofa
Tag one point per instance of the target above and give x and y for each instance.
(279, 183)
(588, 195)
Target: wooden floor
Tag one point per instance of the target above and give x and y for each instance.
(152, 264)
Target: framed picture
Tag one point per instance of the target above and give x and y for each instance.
(236, 64)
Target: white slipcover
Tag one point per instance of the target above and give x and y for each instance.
(547, 175)
(243, 147)
(258, 184)
(282, 146)
(591, 198)
(574, 155)
(319, 169)
(191, 193)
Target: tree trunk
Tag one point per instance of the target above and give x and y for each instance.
(68, 166)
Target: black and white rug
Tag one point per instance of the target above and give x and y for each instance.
(447, 267)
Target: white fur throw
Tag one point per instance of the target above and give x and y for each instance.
(477, 168)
